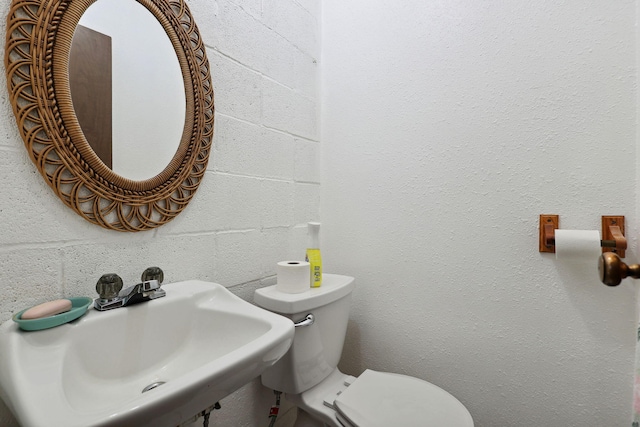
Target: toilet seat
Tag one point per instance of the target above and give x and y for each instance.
(382, 399)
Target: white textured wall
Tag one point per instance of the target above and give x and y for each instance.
(447, 128)
(261, 187)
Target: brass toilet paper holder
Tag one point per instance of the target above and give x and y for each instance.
(610, 265)
(613, 239)
(612, 269)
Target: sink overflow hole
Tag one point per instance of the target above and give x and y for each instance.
(152, 386)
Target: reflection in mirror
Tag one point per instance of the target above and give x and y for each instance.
(132, 108)
(90, 85)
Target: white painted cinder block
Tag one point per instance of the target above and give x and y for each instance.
(306, 75)
(238, 257)
(294, 23)
(300, 240)
(28, 276)
(31, 212)
(234, 202)
(234, 145)
(307, 200)
(276, 154)
(180, 257)
(280, 63)
(311, 6)
(276, 201)
(288, 110)
(237, 89)
(276, 247)
(307, 163)
(252, 7)
(247, 149)
(240, 35)
(223, 202)
(234, 20)
(86, 262)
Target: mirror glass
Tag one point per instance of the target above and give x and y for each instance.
(127, 88)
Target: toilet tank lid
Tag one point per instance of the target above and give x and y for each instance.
(334, 287)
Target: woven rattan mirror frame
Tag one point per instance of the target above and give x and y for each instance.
(38, 40)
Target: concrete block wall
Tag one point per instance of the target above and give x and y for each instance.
(260, 189)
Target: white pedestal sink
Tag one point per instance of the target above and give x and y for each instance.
(202, 341)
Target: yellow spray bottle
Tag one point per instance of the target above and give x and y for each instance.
(313, 254)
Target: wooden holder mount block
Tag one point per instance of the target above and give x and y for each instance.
(546, 239)
(613, 231)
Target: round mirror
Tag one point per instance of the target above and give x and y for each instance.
(37, 63)
(129, 98)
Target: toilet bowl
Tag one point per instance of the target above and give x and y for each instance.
(309, 376)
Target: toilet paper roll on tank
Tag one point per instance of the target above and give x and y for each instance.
(293, 276)
(577, 245)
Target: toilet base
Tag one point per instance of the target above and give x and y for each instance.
(305, 420)
(312, 411)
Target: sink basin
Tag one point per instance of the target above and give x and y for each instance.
(201, 341)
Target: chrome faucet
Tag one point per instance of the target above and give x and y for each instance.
(109, 287)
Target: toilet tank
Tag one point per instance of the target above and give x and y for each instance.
(317, 348)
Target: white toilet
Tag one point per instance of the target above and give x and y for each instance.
(309, 376)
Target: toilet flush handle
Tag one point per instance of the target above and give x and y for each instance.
(307, 321)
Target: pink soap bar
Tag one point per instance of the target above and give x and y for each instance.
(47, 309)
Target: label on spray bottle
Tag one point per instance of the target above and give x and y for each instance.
(313, 254)
(315, 262)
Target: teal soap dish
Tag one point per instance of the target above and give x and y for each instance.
(79, 306)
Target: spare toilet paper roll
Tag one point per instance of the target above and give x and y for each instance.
(293, 276)
(578, 245)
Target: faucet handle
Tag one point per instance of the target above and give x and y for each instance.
(108, 286)
(153, 273)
